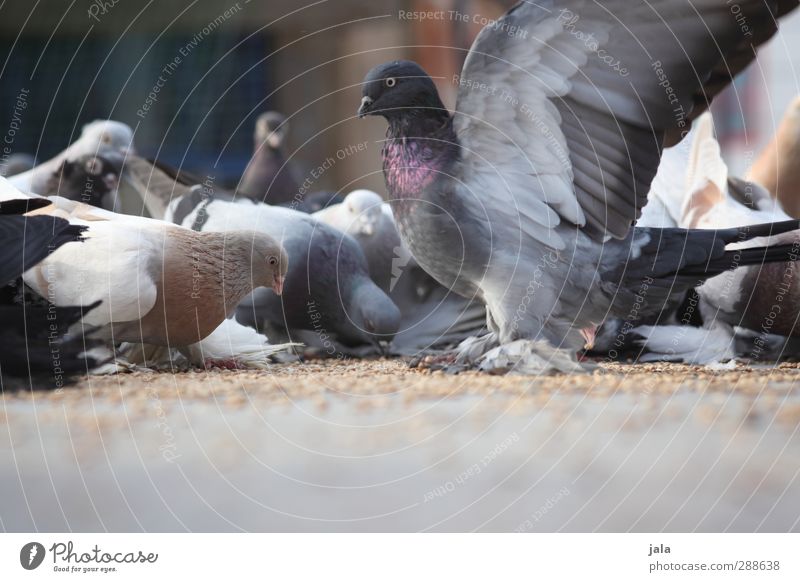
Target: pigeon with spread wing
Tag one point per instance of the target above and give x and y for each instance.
(525, 196)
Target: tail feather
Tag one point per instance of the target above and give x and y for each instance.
(743, 258)
(743, 233)
(673, 260)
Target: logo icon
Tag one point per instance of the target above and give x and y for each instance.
(31, 555)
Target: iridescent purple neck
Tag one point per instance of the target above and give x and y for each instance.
(415, 154)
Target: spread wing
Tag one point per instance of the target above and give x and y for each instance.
(564, 107)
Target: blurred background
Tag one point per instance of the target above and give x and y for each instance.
(217, 64)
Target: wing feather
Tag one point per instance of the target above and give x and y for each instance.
(583, 97)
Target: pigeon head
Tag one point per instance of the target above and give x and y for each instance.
(88, 178)
(104, 135)
(271, 129)
(269, 260)
(375, 317)
(399, 88)
(364, 210)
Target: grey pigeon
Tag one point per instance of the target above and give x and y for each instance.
(329, 300)
(269, 177)
(525, 197)
(327, 291)
(432, 317)
(363, 216)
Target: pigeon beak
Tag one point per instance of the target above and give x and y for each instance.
(127, 152)
(274, 140)
(277, 284)
(366, 102)
(367, 229)
(589, 335)
(111, 182)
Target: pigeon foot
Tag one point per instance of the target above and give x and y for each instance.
(529, 357)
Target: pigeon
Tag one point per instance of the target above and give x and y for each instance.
(28, 240)
(159, 283)
(432, 318)
(328, 291)
(365, 217)
(16, 164)
(91, 179)
(98, 137)
(269, 177)
(777, 168)
(525, 197)
(36, 351)
(761, 298)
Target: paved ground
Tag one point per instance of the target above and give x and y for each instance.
(378, 446)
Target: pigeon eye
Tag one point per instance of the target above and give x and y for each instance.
(273, 261)
(391, 82)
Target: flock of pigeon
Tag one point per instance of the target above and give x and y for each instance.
(562, 212)
(200, 276)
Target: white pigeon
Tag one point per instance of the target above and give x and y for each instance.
(158, 283)
(97, 138)
(713, 200)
